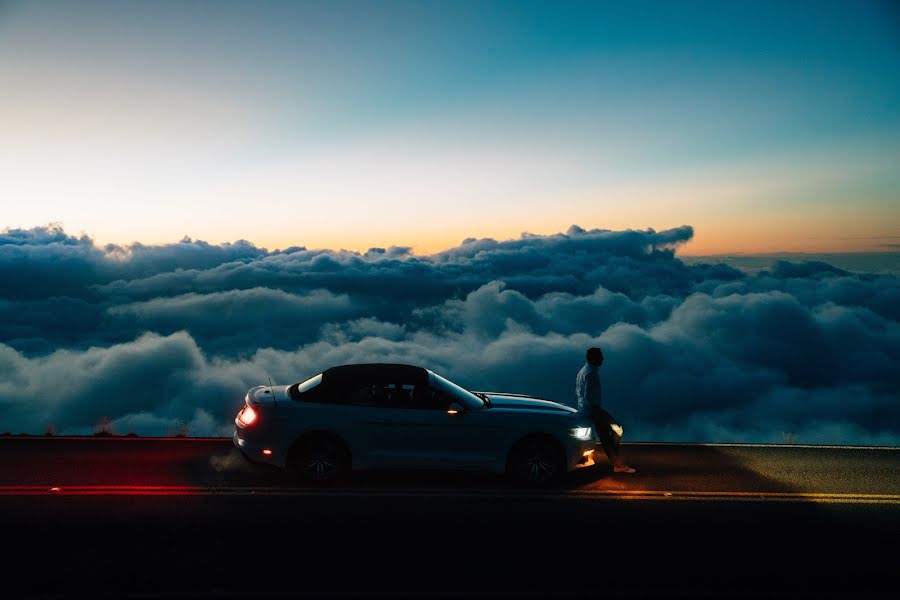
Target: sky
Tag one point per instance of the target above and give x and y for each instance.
(196, 197)
(764, 126)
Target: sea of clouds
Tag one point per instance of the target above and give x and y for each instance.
(155, 338)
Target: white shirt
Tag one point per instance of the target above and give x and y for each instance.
(587, 388)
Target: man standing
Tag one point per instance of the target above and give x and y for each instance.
(587, 393)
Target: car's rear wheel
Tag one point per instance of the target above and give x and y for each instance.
(536, 460)
(319, 457)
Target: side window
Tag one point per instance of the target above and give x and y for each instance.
(359, 395)
(432, 399)
(419, 397)
(396, 395)
(393, 395)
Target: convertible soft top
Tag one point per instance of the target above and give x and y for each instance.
(375, 373)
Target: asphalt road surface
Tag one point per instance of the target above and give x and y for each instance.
(153, 517)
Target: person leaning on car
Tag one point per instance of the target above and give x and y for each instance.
(588, 397)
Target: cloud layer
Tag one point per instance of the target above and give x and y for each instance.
(161, 337)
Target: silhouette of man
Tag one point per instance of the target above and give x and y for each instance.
(587, 394)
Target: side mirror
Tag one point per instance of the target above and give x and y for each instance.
(455, 408)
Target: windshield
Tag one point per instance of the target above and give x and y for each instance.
(448, 388)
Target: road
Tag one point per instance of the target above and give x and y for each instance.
(157, 517)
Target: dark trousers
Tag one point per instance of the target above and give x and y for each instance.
(609, 439)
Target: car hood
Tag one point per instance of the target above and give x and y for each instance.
(267, 395)
(519, 402)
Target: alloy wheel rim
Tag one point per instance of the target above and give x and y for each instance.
(538, 469)
(321, 466)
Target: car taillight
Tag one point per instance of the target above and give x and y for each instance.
(247, 416)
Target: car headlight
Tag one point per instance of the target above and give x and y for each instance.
(582, 433)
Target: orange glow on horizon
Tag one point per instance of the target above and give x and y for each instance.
(747, 236)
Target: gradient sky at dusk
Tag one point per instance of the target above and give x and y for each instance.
(765, 126)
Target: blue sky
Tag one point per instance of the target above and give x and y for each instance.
(766, 126)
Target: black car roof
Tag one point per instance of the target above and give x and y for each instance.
(375, 373)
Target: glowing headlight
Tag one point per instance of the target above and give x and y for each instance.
(582, 433)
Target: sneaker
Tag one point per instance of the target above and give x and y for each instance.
(624, 469)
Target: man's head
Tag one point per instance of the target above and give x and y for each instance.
(595, 356)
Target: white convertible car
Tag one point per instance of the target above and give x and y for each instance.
(402, 416)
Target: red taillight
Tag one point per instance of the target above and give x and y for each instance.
(247, 416)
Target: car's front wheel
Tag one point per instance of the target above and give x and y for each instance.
(536, 461)
(319, 457)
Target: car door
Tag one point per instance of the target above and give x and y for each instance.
(398, 432)
(462, 438)
(367, 420)
(424, 432)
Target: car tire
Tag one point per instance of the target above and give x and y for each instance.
(319, 458)
(536, 461)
